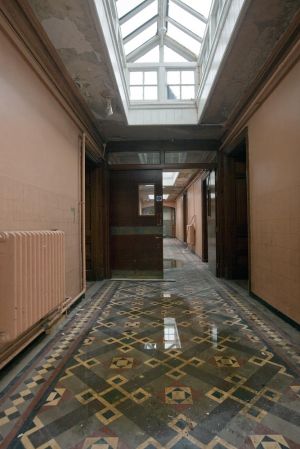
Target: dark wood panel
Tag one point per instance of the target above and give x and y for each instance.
(96, 209)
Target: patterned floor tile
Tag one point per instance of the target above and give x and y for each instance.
(109, 379)
(178, 395)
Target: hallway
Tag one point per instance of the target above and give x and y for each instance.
(191, 363)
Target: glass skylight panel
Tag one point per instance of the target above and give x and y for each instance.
(187, 77)
(140, 39)
(139, 19)
(136, 78)
(180, 85)
(143, 85)
(187, 92)
(173, 92)
(124, 6)
(136, 93)
(150, 93)
(172, 56)
(151, 56)
(169, 178)
(184, 39)
(186, 19)
(173, 77)
(201, 6)
(150, 78)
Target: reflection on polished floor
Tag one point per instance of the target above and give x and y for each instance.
(188, 364)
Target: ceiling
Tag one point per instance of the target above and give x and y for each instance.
(72, 29)
(183, 179)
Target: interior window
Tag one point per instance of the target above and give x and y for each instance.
(146, 199)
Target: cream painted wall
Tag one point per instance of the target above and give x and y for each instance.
(274, 173)
(194, 212)
(39, 163)
(179, 219)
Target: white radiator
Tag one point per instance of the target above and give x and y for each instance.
(32, 279)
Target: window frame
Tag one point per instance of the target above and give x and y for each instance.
(180, 85)
(143, 85)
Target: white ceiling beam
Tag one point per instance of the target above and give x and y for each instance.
(185, 30)
(135, 11)
(190, 10)
(143, 49)
(140, 29)
(180, 49)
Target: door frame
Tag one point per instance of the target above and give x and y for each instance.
(223, 205)
(125, 168)
(99, 210)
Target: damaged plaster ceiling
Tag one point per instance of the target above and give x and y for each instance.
(71, 27)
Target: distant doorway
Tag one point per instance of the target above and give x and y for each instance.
(236, 214)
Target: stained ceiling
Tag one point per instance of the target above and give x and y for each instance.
(72, 28)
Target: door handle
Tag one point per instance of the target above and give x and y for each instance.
(157, 236)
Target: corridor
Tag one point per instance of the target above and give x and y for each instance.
(186, 363)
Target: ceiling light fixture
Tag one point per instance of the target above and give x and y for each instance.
(108, 108)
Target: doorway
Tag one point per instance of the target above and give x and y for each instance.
(96, 221)
(136, 224)
(236, 234)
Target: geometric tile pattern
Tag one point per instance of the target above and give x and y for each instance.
(110, 379)
(269, 442)
(178, 395)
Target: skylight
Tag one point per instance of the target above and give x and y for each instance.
(166, 55)
(182, 21)
(139, 19)
(165, 196)
(169, 178)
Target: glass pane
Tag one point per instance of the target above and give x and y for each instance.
(184, 39)
(173, 77)
(146, 199)
(187, 77)
(187, 92)
(190, 157)
(140, 39)
(173, 92)
(172, 56)
(186, 19)
(139, 19)
(150, 93)
(150, 78)
(123, 7)
(136, 93)
(151, 56)
(202, 6)
(136, 78)
(133, 157)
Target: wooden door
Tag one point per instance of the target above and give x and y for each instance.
(236, 214)
(136, 224)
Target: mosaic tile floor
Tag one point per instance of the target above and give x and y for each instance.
(182, 365)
